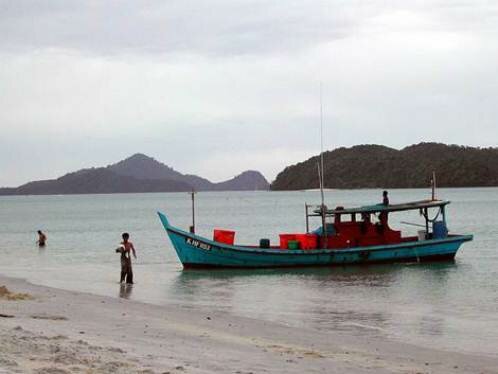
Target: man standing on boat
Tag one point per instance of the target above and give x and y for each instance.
(383, 215)
(385, 198)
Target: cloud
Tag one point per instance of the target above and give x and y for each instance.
(236, 83)
(220, 27)
(213, 28)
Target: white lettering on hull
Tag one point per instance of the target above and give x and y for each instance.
(198, 244)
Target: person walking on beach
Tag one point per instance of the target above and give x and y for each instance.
(42, 239)
(126, 249)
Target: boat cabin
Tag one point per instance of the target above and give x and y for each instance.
(369, 225)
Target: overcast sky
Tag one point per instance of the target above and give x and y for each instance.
(221, 86)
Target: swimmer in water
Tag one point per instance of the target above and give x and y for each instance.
(42, 239)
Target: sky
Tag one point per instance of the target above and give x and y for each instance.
(217, 87)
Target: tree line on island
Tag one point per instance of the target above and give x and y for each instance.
(375, 166)
(361, 166)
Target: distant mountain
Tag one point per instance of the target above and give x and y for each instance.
(138, 173)
(247, 181)
(98, 180)
(375, 166)
(141, 166)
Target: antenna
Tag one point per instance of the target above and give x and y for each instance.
(320, 175)
(320, 169)
(323, 209)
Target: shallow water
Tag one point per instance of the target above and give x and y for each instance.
(452, 305)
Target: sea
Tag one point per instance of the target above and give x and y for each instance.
(446, 305)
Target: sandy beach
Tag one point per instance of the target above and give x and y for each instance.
(47, 330)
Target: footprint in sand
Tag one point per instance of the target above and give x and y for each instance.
(291, 350)
(6, 362)
(51, 370)
(51, 318)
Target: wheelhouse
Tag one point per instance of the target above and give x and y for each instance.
(369, 225)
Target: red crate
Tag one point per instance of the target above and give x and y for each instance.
(224, 236)
(307, 241)
(284, 240)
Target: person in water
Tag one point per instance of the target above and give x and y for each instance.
(126, 249)
(42, 239)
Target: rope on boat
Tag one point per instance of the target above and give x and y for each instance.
(426, 216)
(435, 217)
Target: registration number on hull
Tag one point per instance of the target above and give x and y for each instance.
(197, 244)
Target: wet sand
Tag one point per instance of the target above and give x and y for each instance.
(52, 331)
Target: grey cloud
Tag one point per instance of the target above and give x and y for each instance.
(89, 82)
(218, 27)
(204, 27)
(215, 27)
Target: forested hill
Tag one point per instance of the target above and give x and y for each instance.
(375, 166)
(137, 173)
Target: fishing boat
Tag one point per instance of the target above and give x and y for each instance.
(346, 236)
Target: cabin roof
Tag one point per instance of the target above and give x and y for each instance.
(413, 205)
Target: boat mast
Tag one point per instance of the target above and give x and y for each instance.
(321, 147)
(321, 175)
(433, 184)
(192, 228)
(306, 206)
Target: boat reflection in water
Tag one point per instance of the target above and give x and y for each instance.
(362, 300)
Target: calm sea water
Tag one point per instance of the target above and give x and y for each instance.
(443, 305)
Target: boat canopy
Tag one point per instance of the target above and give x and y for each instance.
(422, 204)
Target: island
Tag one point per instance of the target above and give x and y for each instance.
(138, 173)
(377, 166)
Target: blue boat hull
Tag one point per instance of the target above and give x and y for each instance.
(195, 251)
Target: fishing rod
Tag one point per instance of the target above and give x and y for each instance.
(412, 224)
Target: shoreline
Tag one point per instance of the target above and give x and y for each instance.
(356, 189)
(59, 331)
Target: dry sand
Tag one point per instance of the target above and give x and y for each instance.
(52, 331)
